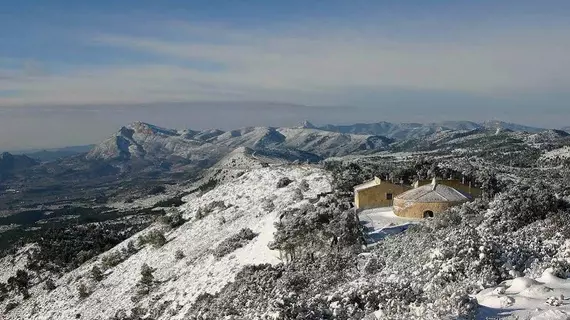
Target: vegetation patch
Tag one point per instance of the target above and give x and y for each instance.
(238, 240)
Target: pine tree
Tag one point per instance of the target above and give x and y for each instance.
(83, 291)
(147, 279)
(96, 273)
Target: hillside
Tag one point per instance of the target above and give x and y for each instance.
(250, 201)
(10, 163)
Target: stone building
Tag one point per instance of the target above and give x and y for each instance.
(427, 200)
(377, 193)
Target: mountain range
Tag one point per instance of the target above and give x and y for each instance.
(145, 142)
(145, 147)
(400, 131)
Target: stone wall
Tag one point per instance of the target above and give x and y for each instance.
(376, 196)
(411, 209)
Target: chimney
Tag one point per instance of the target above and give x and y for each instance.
(433, 183)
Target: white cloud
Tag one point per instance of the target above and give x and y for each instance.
(306, 66)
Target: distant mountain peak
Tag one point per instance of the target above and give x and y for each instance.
(149, 129)
(10, 162)
(307, 125)
(6, 155)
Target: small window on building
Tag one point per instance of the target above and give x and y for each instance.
(389, 196)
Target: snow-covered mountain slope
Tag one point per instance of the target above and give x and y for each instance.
(493, 125)
(331, 143)
(555, 156)
(402, 131)
(184, 266)
(248, 158)
(144, 141)
(547, 136)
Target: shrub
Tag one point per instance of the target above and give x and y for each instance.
(10, 306)
(173, 221)
(283, 182)
(3, 291)
(130, 249)
(234, 242)
(209, 208)
(83, 291)
(326, 228)
(209, 185)
(49, 285)
(112, 259)
(96, 273)
(179, 255)
(521, 205)
(172, 202)
(146, 282)
(267, 205)
(20, 283)
(154, 237)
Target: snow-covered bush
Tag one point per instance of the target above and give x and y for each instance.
(179, 255)
(267, 205)
(112, 259)
(173, 220)
(234, 242)
(316, 229)
(520, 205)
(283, 182)
(146, 282)
(10, 306)
(294, 291)
(3, 291)
(20, 283)
(209, 208)
(96, 273)
(154, 237)
(83, 291)
(49, 285)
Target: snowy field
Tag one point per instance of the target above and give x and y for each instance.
(381, 222)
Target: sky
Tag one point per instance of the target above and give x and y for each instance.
(73, 72)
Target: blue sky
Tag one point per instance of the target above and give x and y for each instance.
(432, 60)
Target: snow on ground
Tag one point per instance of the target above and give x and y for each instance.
(381, 222)
(181, 281)
(9, 264)
(545, 298)
(560, 153)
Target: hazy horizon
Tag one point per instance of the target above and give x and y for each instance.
(73, 126)
(73, 72)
